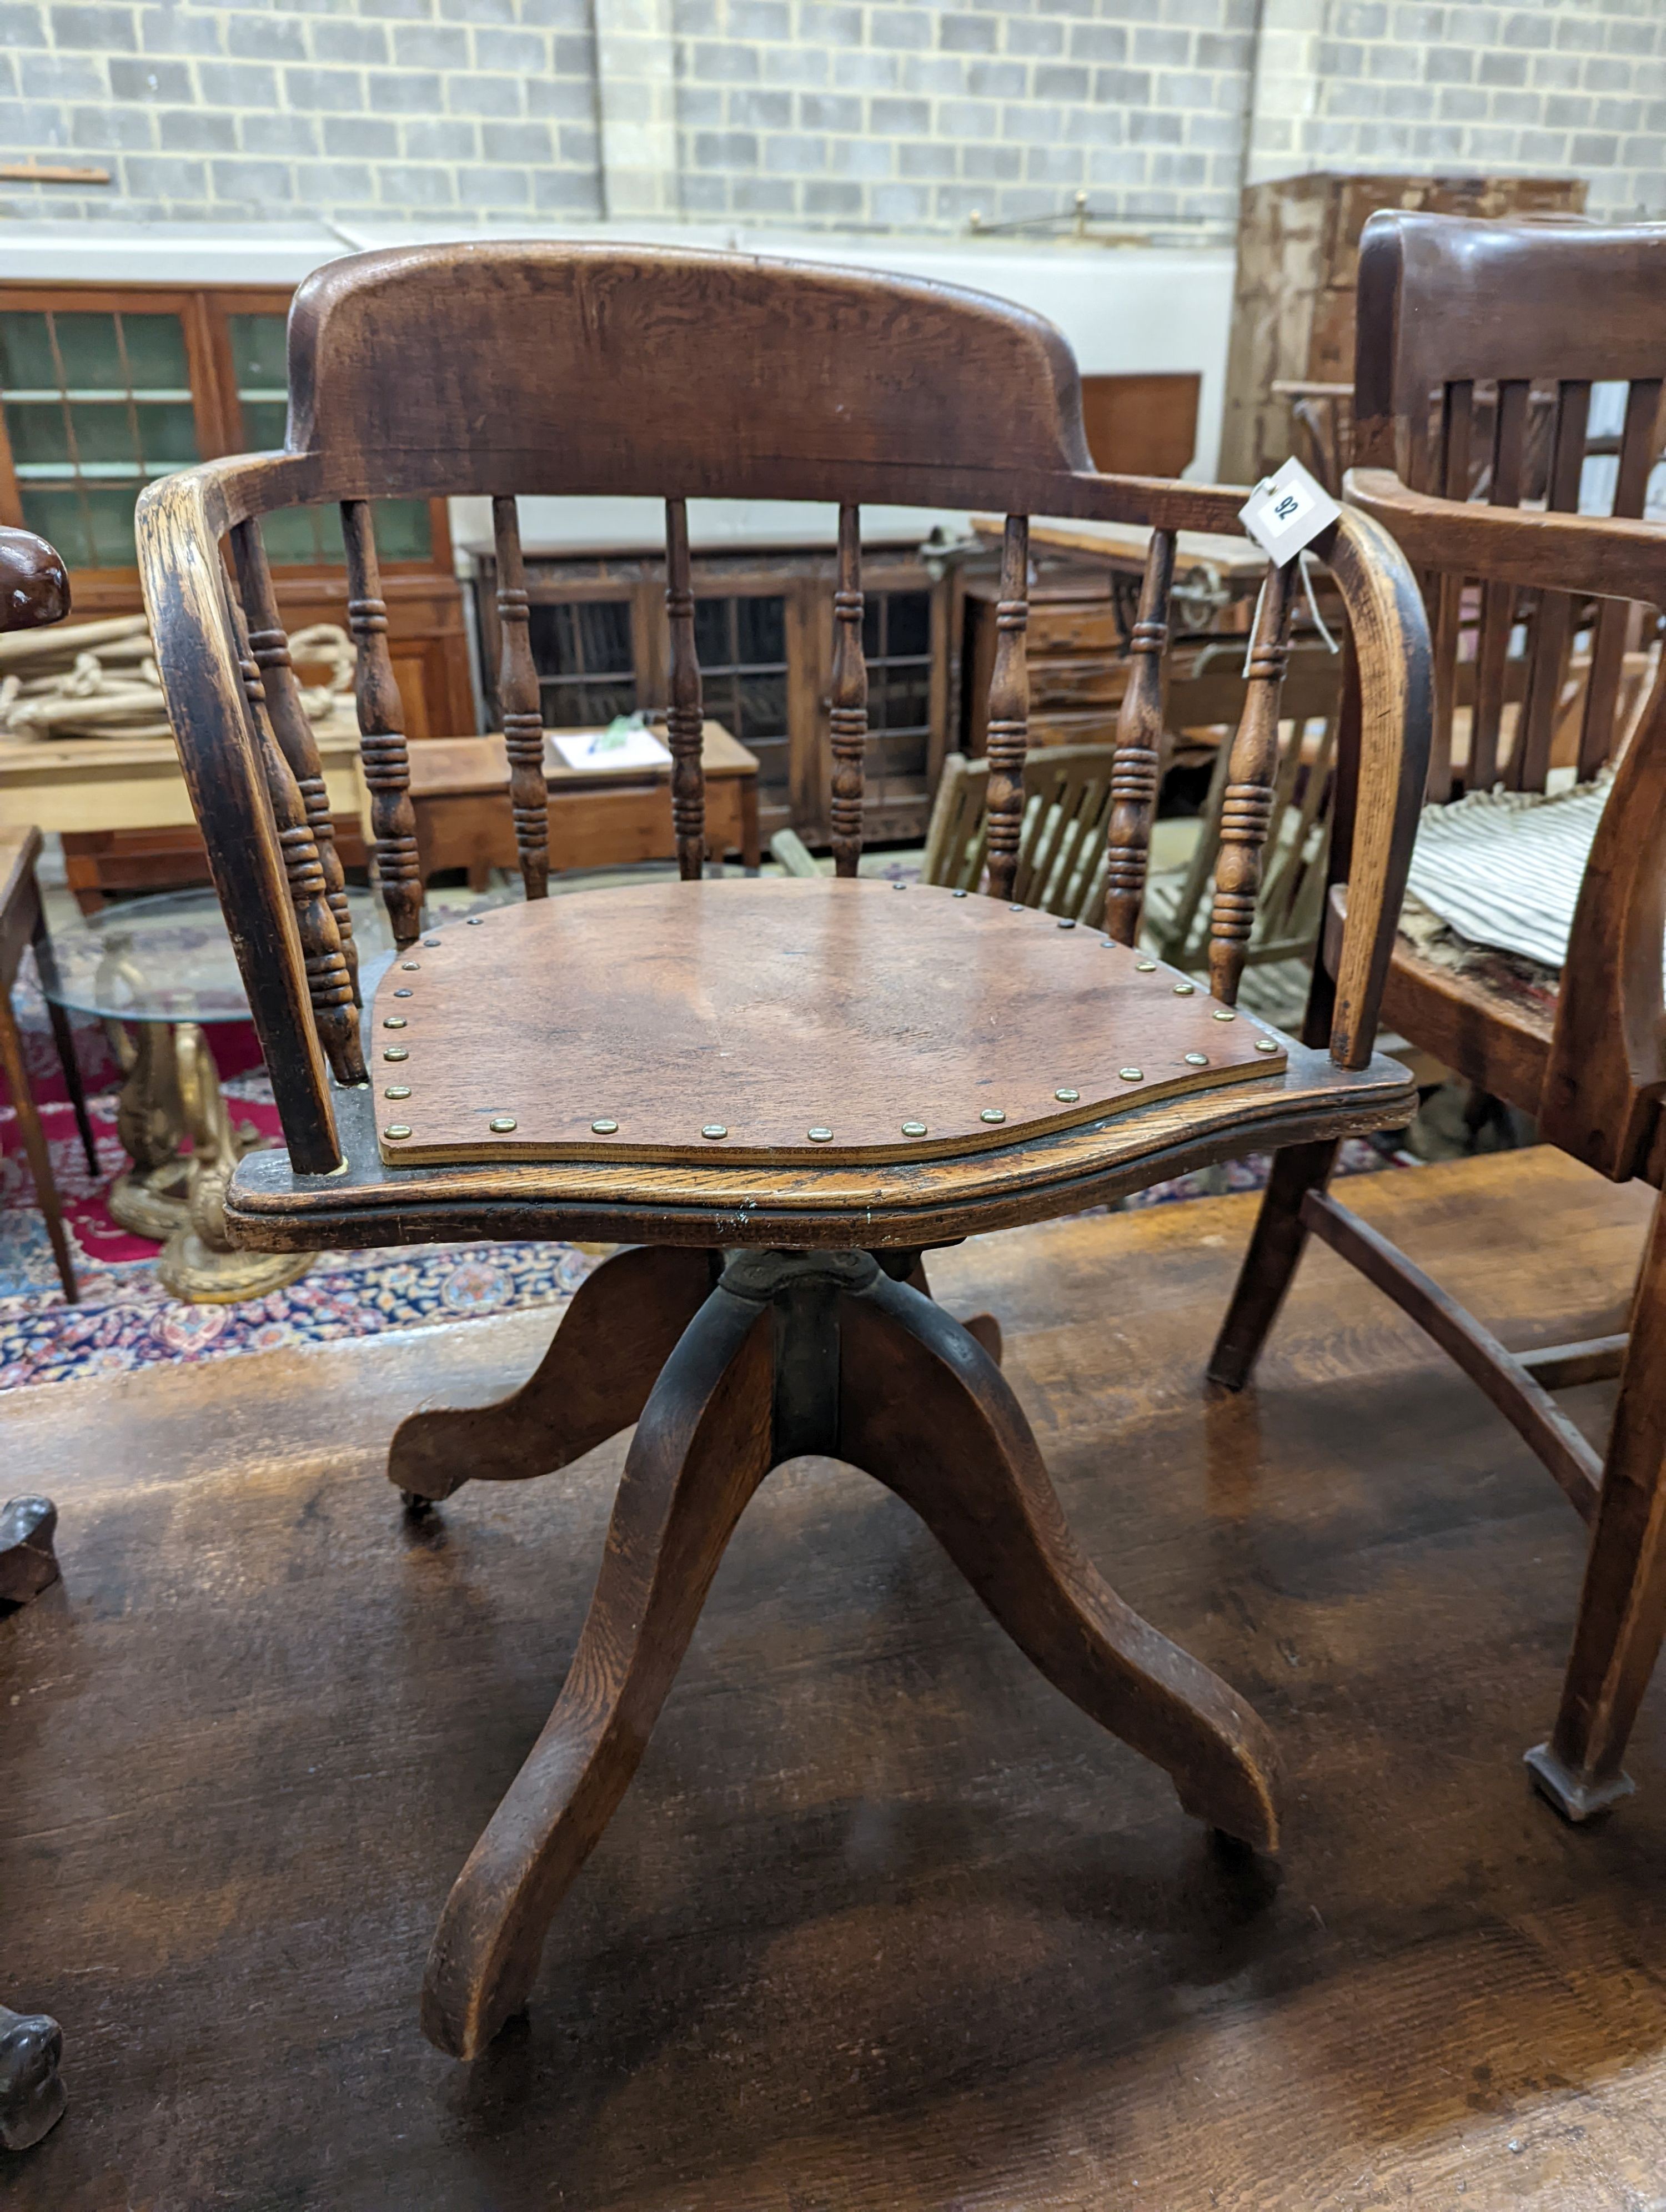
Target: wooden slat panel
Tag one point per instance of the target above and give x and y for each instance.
(1498, 601)
(1552, 620)
(1458, 424)
(1639, 446)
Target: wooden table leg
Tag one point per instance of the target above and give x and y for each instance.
(34, 1144)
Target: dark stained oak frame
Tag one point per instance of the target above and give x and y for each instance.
(774, 1309)
(1445, 304)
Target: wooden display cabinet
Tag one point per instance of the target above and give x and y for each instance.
(105, 387)
(763, 630)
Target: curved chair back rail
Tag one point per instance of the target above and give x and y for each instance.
(1445, 303)
(554, 368)
(1476, 343)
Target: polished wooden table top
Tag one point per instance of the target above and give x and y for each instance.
(448, 767)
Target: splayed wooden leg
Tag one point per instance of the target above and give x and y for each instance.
(925, 1411)
(796, 1353)
(1270, 1262)
(701, 1448)
(1622, 1604)
(594, 1379)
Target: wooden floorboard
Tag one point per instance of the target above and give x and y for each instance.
(883, 1923)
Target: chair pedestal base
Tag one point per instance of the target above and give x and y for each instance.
(726, 1376)
(1576, 1800)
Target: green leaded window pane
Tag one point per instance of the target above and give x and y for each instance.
(258, 353)
(402, 530)
(59, 517)
(155, 346)
(95, 406)
(296, 535)
(89, 352)
(260, 365)
(264, 424)
(110, 516)
(38, 435)
(289, 536)
(26, 353)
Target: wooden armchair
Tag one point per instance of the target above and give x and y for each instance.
(1064, 856)
(1445, 304)
(780, 1092)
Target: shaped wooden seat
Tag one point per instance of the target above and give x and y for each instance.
(782, 1092)
(856, 1022)
(1448, 307)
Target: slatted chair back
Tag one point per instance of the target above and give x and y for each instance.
(1067, 803)
(1292, 904)
(1478, 347)
(1443, 303)
(502, 369)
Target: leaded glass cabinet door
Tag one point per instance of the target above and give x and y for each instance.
(97, 399)
(304, 536)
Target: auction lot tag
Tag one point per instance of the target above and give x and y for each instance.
(1287, 510)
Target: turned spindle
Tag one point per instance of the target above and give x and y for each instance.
(521, 705)
(849, 697)
(685, 716)
(1009, 711)
(269, 649)
(382, 729)
(1134, 764)
(1251, 769)
(329, 983)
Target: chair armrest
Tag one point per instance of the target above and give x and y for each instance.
(1387, 725)
(793, 855)
(1606, 557)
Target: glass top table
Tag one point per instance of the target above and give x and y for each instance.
(158, 971)
(169, 959)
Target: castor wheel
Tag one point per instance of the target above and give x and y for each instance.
(415, 1504)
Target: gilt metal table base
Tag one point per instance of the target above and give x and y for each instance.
(171, 1095)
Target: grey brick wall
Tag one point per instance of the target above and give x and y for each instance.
(824, 111)
(1543, 87)
(391, 110)
(818, 114)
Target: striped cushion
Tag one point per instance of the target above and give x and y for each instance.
(1504, 868)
